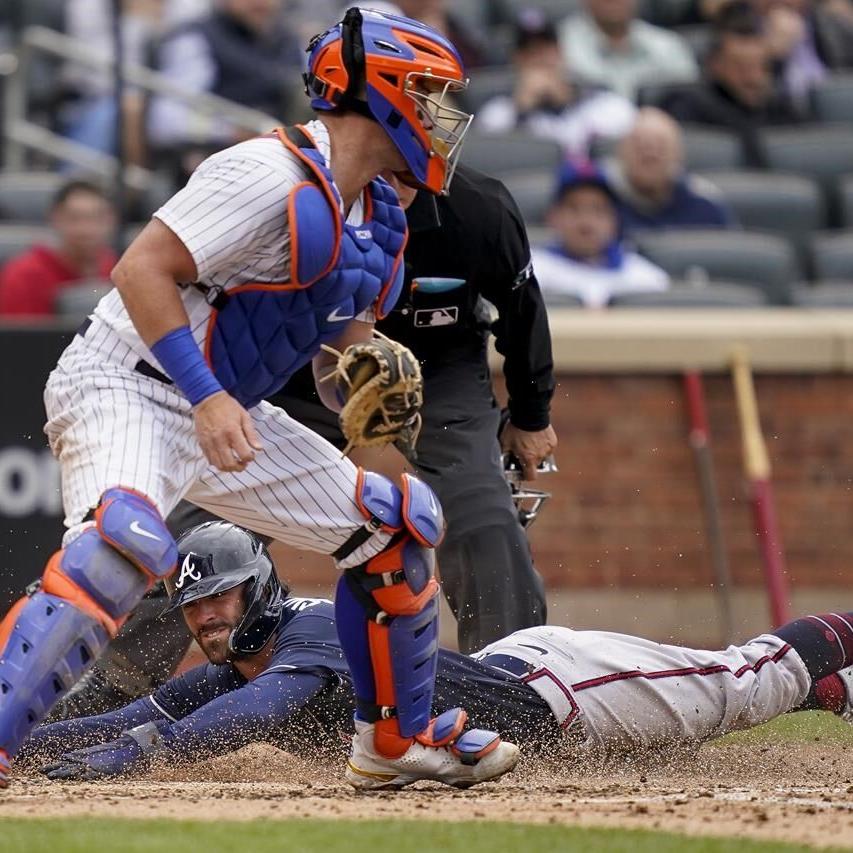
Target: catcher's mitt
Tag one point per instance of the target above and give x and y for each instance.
(380, 388)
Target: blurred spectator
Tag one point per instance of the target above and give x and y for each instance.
(738, 91)
(88, 116)
(471, 46)
(609, 45)
(241, 52)
(587, 258)
(807, 40)
(83, 220)
(545, 101)
(649, 179)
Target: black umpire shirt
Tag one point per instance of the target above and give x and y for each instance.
(475, 234)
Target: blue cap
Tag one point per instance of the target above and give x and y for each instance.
(576, 173)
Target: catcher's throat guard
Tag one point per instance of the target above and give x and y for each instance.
(391, 603)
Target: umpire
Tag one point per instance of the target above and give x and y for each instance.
(465, 248)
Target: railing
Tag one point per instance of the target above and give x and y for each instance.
(22, 134)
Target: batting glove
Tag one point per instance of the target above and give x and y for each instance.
(135, 746)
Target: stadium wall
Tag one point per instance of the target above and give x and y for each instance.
(622, 542)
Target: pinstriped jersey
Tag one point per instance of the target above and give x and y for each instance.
(232, 217)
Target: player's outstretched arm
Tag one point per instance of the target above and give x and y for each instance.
(147, 277)
(49, 741)
(251, 713)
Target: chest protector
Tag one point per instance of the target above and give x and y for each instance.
(260, 334)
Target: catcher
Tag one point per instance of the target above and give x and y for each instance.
(275, 247)
(276, 674)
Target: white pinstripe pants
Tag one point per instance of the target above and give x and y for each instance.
(111, 426)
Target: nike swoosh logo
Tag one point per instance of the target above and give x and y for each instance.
(140, 531)
(535, 648)
(334, 317)
(432, 504)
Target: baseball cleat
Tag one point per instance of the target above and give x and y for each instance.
(846, 676)
(4, 770)
(475, 756)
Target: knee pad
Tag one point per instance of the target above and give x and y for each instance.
(110, 565)
(398, 592)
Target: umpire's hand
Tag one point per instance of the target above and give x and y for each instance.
(530, 448)
(225, 432)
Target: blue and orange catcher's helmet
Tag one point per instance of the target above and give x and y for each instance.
(402, 74)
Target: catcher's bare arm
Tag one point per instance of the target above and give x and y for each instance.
(324, 363)
(147, 277)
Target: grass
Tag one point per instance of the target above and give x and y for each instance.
(805, 727)
(84, 835)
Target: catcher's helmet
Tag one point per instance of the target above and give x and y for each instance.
(217, 556)
(407, 71)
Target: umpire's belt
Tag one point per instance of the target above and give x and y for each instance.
(141, 366)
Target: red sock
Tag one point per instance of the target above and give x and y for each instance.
(830, 693)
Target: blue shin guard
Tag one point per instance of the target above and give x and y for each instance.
(50, 645)
(50, 639)
(387, 613)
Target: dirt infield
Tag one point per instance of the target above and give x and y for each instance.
(787, 791)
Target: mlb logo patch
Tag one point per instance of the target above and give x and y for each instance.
(428, 317)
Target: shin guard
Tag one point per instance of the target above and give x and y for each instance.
(387, 611)
(50, 639)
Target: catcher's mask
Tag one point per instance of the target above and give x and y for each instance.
(217, 556)
(528, 502)
(402, 74)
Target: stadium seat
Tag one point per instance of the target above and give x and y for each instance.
(846, 193)
(832, 98)
(824, 294)
(563, 300)
(790, 205)
(27, 196)
(15, 239)
(707, 148)
(77, 302)
(532, 192)
(763, 261)
(832, 255)
(539, 235)
(502, 154)
(825, 152)
(711, 295)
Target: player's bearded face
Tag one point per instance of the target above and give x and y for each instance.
(211, 621)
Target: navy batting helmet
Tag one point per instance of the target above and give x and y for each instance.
(217, 556)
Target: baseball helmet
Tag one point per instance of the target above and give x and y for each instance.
(407, 72)
(217, 556)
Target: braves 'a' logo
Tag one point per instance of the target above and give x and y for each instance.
(188, 570)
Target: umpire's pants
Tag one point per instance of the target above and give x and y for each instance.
(486, 569)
